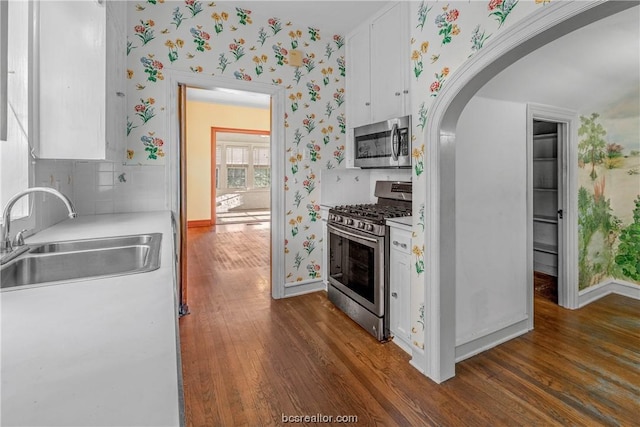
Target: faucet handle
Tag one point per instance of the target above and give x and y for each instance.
(19, 239)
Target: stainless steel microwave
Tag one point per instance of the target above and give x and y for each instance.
(384, 144)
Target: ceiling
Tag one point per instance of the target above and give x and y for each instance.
(229, 97)
(242, 137)
(599, 61)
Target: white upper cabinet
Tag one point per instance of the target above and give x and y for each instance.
(79, 74)
(390, 64)
(358, 81)
(378, 68)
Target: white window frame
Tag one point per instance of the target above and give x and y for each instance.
(222, 166)
(15, 153)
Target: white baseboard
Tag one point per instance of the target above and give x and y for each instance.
(620, 287)
(303, 287)
(402, 344)
(471, 348)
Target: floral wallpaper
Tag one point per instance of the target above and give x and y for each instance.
(443, 36)
(224, 39)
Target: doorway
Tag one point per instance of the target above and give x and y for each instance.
(230, 168)
(240, 176)
(547, 207)
(551, 140)
(176, 172)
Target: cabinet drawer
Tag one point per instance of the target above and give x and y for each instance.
(400, 241)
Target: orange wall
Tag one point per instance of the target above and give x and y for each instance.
(201, 117)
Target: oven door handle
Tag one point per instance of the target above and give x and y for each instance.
(356, 237)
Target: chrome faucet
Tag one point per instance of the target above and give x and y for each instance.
(5, 245)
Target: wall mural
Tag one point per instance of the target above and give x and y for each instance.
(224, 39)
(609, 193)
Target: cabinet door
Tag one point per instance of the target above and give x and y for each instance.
(358, 78)
(71, 80)
(388, 63)
(400, 283)
(116, 108)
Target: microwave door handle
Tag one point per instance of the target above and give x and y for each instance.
(395, 142)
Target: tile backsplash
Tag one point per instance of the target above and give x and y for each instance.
(48, 209)
(103, 187)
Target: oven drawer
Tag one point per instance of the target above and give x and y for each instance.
(400, 240)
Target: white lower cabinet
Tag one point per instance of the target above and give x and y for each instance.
(400, 287)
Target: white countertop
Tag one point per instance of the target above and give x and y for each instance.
(403, 222)
(96, 352)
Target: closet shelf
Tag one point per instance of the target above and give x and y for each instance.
(545, 247)
(545, 135)
(546, 218)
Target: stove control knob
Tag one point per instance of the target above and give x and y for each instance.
(361, 224)
(338, 218)
(369, 227)
(350, 221)
(331, 217)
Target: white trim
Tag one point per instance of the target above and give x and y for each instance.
(172, 172)
(4, 24)
(405, 346)
(511, 331)
(534, 31)
(568, 227)
(302, 287)
(615, 286)
(486, 332)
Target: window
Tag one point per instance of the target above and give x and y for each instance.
(261, 177)
(261, 156)
(218, 160)
(237, 155)
(236, 177)
(237, 163)
(3, 70)
(261, 169)
(242, 163)
(15, 25)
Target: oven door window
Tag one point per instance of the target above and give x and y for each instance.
(354, 267)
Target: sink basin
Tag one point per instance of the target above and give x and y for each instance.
(88, 244)
(48, 263)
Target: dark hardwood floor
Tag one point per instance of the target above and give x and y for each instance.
(248, 360)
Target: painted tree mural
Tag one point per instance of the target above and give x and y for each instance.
(592, 145)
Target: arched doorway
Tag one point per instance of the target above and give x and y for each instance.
(514, 43)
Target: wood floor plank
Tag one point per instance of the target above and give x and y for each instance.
(248, 359)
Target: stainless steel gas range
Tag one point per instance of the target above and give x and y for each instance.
(358, 255)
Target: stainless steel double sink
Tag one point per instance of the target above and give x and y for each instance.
(73, 260)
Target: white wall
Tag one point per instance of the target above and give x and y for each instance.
(491, 226)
